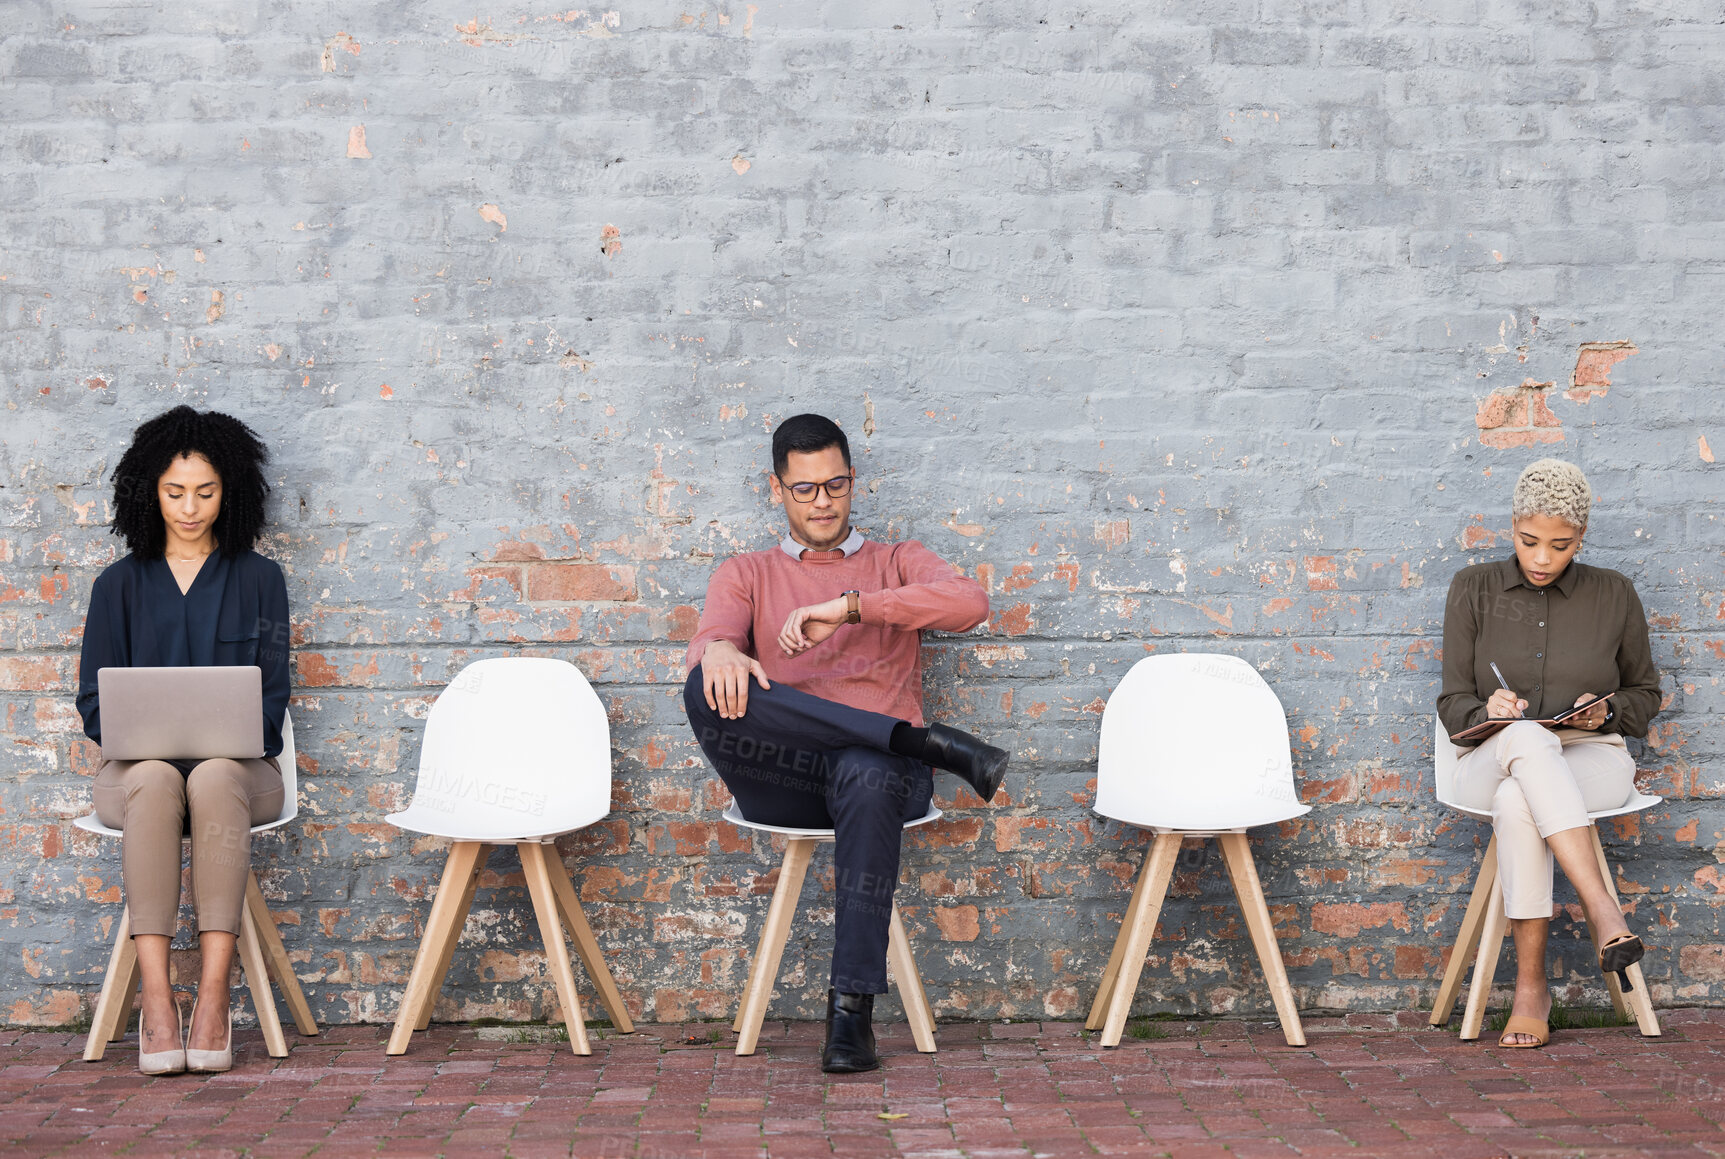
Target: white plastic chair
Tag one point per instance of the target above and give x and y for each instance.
(799, 847)
(1484, 924)
(1193, 745)
(262, 955)
(517, 750)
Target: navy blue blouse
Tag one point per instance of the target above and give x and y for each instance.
(235, 612)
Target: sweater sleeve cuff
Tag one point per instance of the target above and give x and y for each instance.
(872, 607)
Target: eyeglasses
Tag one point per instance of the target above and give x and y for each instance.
(805, 492)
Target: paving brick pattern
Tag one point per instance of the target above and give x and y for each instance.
(994, 1091)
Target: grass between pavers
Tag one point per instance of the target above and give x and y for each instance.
(1568, 1018)
(1146, 1029)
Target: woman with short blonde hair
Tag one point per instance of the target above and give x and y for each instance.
(1560, 632)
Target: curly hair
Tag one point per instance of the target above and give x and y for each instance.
(231, 447)
(1555, 488)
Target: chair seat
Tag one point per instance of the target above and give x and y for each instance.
(90, 823)
(437, 823)
(1637, 802)
(735, 816)
(1231, 819)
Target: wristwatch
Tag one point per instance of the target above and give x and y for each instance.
(853, 607)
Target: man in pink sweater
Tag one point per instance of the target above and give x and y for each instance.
(805, 692)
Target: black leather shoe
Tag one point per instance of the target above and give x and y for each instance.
(982, 765)
(850, 1034)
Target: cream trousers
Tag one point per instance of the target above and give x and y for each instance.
(151, 803)
(1535, 782)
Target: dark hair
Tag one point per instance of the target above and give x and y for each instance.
(232, 448)
(806, 434)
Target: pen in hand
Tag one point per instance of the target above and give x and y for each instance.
(1504, 683)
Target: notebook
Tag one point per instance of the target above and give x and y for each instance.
(1492, 727)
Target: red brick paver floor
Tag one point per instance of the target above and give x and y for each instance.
(993, 1091)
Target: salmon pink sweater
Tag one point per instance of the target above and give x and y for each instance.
(875, 665)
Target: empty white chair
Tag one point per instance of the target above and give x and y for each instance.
(799, 847)
(262, 955)
(1484, 924)
(517, 750)
(1193, 745)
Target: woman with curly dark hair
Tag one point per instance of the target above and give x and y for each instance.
(189, 502)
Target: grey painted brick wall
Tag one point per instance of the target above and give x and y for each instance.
(1210, 325)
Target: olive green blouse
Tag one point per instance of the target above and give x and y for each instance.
(1584, 632)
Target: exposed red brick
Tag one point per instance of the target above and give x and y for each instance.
(1502, 440)
(1321, 573)
(957, 923)
(35, 673)
(1705, 963)
(1014, 621)
(1501, 410)
(1347, 920)
(1592, 374)
(314, 670)
(1478, 535)
(565, 582)
(476, 576)
(682, 622)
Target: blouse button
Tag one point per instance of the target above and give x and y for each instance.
(1539, 655)
(1542, 623)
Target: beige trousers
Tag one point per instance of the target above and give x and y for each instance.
(150, 801)
(1536, 782)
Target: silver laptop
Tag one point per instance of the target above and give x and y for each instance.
(193, 714)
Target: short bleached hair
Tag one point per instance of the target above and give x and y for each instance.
(1554, 488)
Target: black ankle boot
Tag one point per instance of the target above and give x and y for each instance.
(850, 1034)
(981, 765)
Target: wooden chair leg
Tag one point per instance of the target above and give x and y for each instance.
(586, 945)
(275, 954)
(128, 993)
(763, 947)
(1467, 938)
(451, 937)
(258, 982)
(1492, 932)
(1638, 1001)
(910, 991)
(463, 856)
(1243, 872)
(1162, 856)
(1099, 1008)
(1619, 1002)
(535, 866)
(114, 1003)
(765, 969)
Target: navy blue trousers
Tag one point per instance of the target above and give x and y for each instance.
(800, 761)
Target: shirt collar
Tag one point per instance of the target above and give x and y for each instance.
(852, 544)
(1509, 574)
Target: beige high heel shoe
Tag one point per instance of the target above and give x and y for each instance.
(212, 1061)
(162, 1061)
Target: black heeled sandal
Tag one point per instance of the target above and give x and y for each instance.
(1620, 953)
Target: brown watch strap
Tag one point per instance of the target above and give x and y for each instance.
(853, 607)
